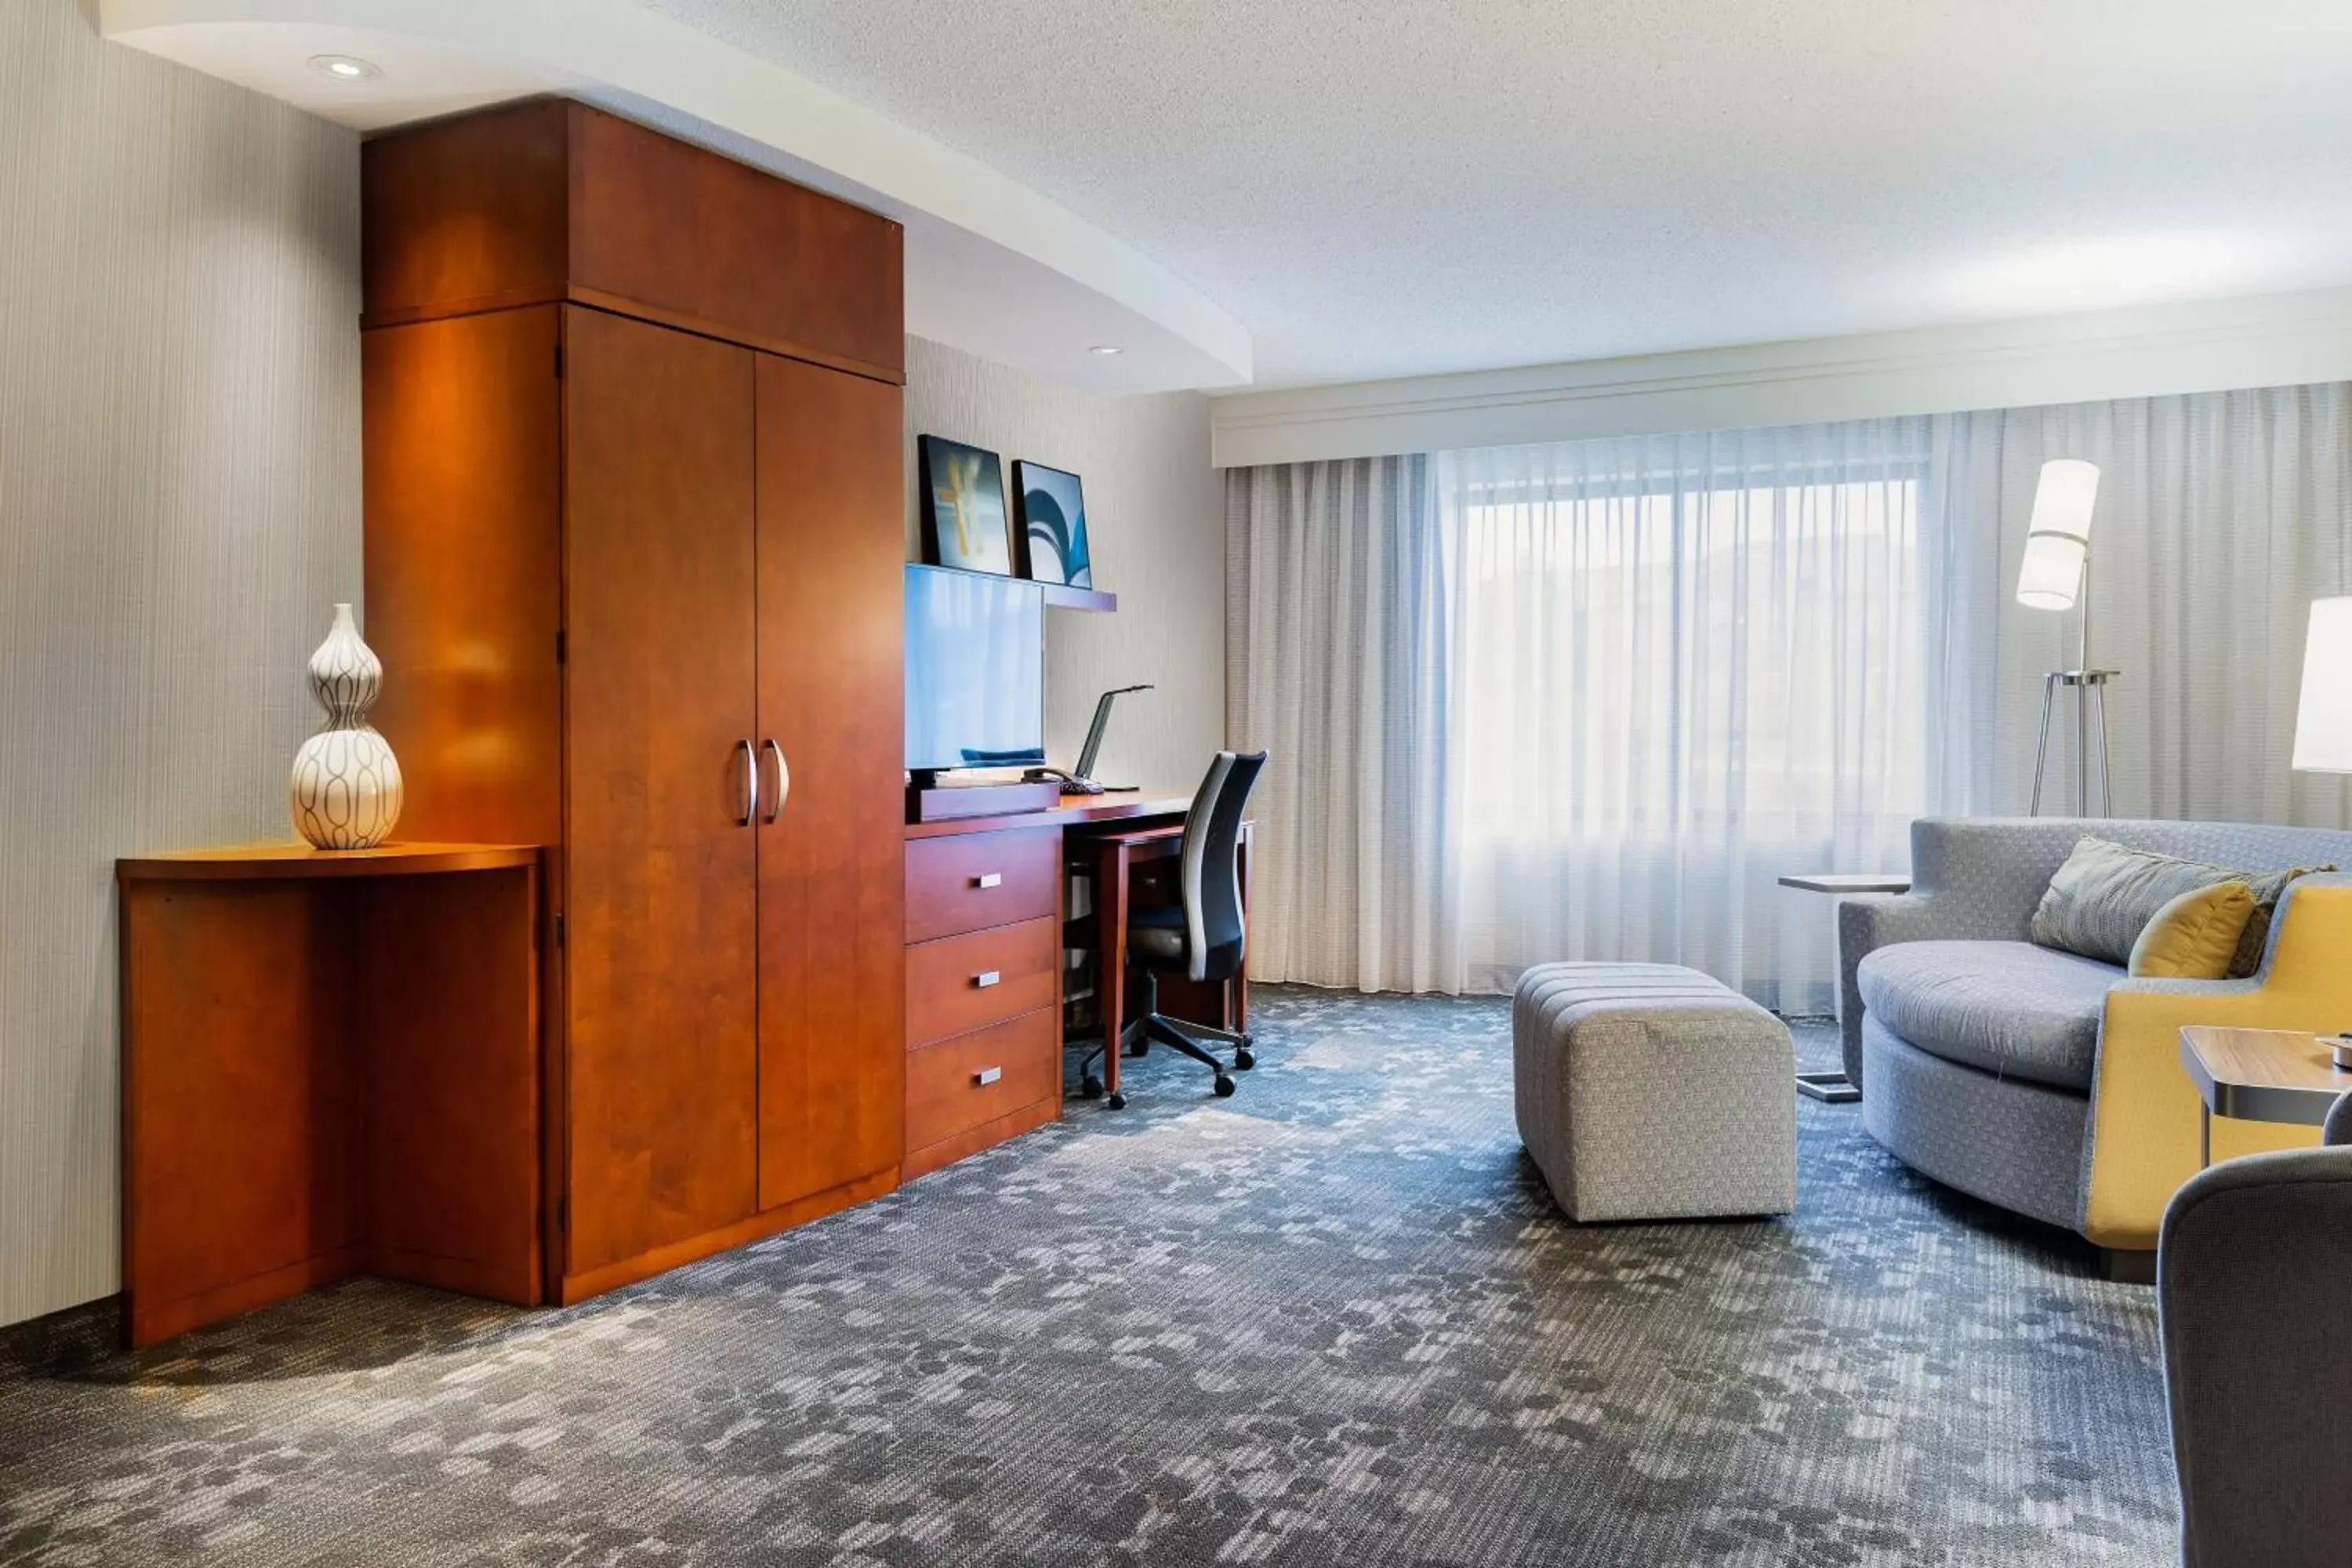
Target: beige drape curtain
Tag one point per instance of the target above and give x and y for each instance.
(2221, 516)
(1339, 662)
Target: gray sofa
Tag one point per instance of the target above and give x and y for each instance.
(1980, 1056)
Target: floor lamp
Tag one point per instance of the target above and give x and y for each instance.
(2323, 717)
(2056, 575)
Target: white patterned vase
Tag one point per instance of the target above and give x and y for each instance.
(346, 791)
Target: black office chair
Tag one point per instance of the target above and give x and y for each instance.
(1203, 934)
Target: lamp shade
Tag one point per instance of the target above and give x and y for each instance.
(2058, 537)
(2323, 721)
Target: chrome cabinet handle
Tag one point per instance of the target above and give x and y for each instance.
(989, 879)
(784, 779)
(750, 785)
(986, 1076)
(986, 979)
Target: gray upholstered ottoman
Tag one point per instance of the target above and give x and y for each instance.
(1649, 1091)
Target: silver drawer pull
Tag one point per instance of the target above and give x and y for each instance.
(987, 1075)
(989, 879)
(986, 979)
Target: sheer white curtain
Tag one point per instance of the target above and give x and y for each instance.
(1588, 701)
(1691, 664)
(1584, 700)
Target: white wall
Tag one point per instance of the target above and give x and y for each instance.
(179, 508)
(1155, 517)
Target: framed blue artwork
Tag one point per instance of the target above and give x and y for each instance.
(1052, 510)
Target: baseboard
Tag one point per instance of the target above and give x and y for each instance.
(71, 1336)
(987, 1135)
(587, 1282)
(148, 1321)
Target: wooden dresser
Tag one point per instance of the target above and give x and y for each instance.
(984, 990)
(634, 497)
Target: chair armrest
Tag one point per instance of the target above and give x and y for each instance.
(1973, 880)
(2144, 1109)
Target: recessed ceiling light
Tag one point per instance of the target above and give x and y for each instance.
(344, 68)
(1106, 348)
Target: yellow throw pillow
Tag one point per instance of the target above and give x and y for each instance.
(2195, 936)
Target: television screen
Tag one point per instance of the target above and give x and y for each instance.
(975, 670)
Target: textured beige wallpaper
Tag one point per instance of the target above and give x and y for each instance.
(1155, 514)
(179, 509)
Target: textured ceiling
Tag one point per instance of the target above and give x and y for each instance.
(1381, 189)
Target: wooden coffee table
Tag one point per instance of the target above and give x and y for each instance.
(2286, 1076)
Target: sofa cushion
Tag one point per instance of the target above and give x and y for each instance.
(2269, 888)
(2100, 901)
(2195, 936)
(2006, 1007)
(2104, 895)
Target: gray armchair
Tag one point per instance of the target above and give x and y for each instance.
(2254, 1282)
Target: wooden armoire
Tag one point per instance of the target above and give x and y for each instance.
(634, 539)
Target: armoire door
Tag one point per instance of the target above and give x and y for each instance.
(660, 709)
(831, 701)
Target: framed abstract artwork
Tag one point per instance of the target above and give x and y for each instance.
(1051, 509)
(963, 507)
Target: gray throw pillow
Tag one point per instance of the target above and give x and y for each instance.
(2104, 895)
(2269, 888)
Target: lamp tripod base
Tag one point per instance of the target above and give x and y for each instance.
(2090, 688)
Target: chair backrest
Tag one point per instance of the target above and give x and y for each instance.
(1217, 936)
(2250, 1282)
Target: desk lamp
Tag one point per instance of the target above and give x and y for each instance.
(2056, 575)
(1081, 781)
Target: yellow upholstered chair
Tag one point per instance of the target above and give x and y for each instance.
(2144, 1110)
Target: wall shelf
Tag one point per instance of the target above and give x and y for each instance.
(1057, 596)
(1060, 596)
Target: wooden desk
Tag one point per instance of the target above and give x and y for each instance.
(2285, 1076)
(331, 1065)
(1075, 811)
(985, 920)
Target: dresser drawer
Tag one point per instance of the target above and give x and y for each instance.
(956, 1084)
(969, 881)
(961, 982)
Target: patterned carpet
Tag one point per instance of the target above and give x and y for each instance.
(1333, 1319)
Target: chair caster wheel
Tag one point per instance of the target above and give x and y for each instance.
(1090, 1087)
(1118, 1102)
(1224, 1087)
(1243, 1060)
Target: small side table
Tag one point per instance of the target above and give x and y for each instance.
(2286, 1076)
(1834, 1087)
(1845, 882)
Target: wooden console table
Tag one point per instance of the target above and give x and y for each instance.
(331, 1065)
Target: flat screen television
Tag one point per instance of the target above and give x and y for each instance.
(975, 670)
